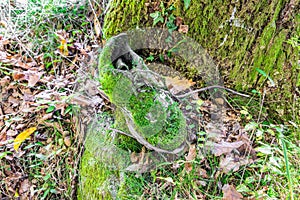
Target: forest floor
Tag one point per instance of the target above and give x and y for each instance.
(50, 93)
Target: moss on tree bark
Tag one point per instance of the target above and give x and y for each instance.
(241, 37)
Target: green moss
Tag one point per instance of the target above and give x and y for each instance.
(168, 130)
(125, 15)
(94, 178)
(108, 82)
(150, 117)
(173, 132)
(256, 38)
(140, 106)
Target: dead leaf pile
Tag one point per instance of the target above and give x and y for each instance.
(35, 103)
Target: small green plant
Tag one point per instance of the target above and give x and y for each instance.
(157, 17)
(295, 42)
(266, 76)
(165, 16)
(186, 3)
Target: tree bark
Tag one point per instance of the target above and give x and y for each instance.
(242, 37)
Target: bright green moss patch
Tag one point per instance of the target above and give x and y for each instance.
(125, 15)
(140, 106)
(108, 82)
(128, 143)
(94, 178)
(174, 130)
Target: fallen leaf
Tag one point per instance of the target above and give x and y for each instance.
(230, 193)
(24, 187)
(140, 160)
(67, 141)
(22, 65)
(97, 27)
(183, 29)
(191, 156)
(134, 157)
(18, 76)
(176, 85)
(232, 163)
(63, 47)
(23, 136)
(3, 23)
(224, 147)
(201, 172)
(3, 138)
(46, 117)
(219, 101)
(192, 153)
(31, 76)
(214, 132)
(178, 21)
(34, 77)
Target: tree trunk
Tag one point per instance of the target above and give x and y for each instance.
(242, 37)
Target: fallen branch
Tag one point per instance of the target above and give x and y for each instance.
(211, 87)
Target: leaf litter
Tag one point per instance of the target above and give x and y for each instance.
(29, 135)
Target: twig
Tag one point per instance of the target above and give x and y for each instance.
(141, 140)
(121, 132)
(211, 87)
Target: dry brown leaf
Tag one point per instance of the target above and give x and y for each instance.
(24, 187)
(140, 161)
(33, 78)
(2, 138)
(191, 156)
(230, 193)
(134, 158)
(202, 172)
(219, 101)
(67, 141)
(178, 21)
(21, 64)
(223, 147)
(97, 27)
(3, 24)
(18, 76)
(183, 28)
(176, 85)
(192, 153)
(46, 116)
(55, 125)
(214, 133)
(232, 163)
